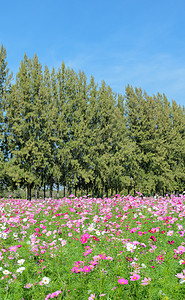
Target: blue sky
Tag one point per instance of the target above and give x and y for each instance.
(136, 42)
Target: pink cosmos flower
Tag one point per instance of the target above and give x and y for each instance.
(109, 258)
(76, 270)
(87, 252)
(83, 240)
(146, 281)
(181, 248)
(93, 262)
(92, 297)
(175, 250)
(55, 294)
(10, 257)
(102, 256)
(180, 275)
(28, 285)
(180, 227)
(160, 258)
(133, 230)
(86, 269)
(125, 208)
(13, 248)
(140, 233)
(170, 233)
(122, 281)
(134, 277)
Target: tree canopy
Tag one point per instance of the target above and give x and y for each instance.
(57, 129)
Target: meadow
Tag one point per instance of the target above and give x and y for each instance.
(122, 247)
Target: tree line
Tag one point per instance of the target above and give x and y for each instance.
(60, 130)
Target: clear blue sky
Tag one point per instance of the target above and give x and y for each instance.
(136, 42)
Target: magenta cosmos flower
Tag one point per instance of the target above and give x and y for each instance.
(122, 281)
(153, 238)
(134, 277)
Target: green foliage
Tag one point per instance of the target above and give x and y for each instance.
(59, 130)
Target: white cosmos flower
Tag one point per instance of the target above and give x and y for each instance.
(20, 262)
(20, 270)
(15, 234)
(98, 233)
(90, 228)
(182, 280)
(45, 280)
(6, 272)
(4, 235)
(130, 247)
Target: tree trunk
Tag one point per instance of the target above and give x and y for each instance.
(51, 188)
(134, 189)
(44, 191)
(75, 190)
(64, 190)
(57, 190)
(69, 189)
(106, 191)
(37, 192)
(29, 191)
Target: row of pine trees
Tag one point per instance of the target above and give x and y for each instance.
(60, 131)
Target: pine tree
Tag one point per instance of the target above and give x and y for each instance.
(91, 134)
(5, 89)
(134, 113)
(105, 138)
(177, 147)
(122, 151)
(24, 113)
(164, 176)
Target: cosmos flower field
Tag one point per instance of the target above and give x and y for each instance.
(121, 247)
